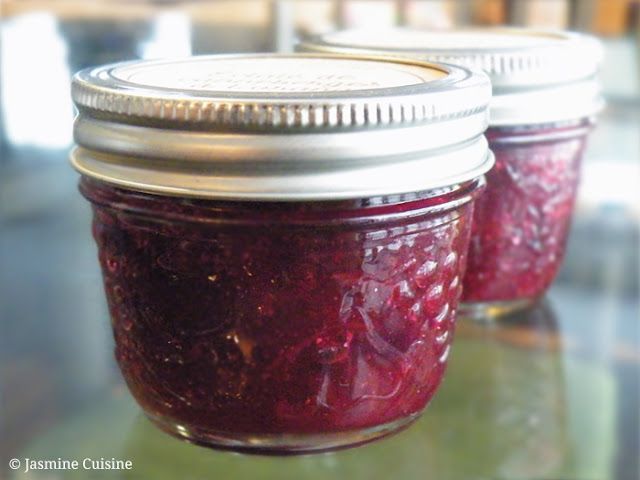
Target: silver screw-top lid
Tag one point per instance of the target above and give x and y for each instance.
(538, 76)
(281, 127)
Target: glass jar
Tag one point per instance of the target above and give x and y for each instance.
(521, 224)
(545, 96)
(282, 251)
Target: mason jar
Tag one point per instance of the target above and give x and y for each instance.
(545, 98)
(282, 238)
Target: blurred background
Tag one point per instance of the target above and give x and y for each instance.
(56, 360)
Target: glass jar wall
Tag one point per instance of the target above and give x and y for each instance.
(522, 222)
(294, 325)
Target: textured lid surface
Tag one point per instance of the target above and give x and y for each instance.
(280, 126)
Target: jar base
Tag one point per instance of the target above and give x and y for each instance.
(491, 311)
(281, 444)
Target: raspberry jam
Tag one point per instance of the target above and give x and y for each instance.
(522, 221)
(282, 238)
(269, 318)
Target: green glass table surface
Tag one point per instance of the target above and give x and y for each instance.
(518, 402)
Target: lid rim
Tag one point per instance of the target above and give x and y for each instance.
(95, 77)
(320, 41)
(405, 104)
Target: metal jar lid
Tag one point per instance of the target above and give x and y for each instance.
(281, 127)
(538, 76)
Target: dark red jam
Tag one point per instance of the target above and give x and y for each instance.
(521, 222)
(282, 317)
